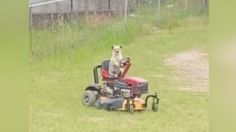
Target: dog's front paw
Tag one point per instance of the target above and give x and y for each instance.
(121, 70)
(115, 75)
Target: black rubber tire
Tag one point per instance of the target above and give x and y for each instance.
(89, 98)
(154, 107)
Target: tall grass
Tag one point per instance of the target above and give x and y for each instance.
(65, 38)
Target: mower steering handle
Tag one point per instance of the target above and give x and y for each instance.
(124, 62)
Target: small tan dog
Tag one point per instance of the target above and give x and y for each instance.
(114, 66)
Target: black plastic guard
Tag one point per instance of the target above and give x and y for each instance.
(155, 100)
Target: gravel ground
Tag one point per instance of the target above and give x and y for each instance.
(191, 70)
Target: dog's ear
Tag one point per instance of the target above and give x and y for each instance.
(120, 46)
(112, 47)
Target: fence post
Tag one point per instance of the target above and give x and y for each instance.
(30, 29)
(207, 6)
(185, 7)
(206, 3)
(71, 5)
(86, 9)
(85, 18)
(159, 12)
(125, 15)
(109, 5)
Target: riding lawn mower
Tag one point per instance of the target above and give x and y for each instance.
(121, 93)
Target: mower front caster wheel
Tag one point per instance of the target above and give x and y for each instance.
(89, 98)
(131, 108)
(154, 107)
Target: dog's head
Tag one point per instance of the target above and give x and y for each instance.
(116, 49)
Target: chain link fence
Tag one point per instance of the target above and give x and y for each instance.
(44, 13)
(94, 19)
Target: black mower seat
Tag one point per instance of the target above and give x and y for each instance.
(105, 71)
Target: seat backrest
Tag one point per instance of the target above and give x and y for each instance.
(105, 70)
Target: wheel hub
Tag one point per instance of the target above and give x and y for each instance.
(86, 99)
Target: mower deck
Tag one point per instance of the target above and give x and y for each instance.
(138, 104)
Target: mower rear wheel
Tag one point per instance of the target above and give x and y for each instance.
(89, 98)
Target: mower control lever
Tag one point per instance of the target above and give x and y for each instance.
(125, 63)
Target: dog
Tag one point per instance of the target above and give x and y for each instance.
(114, 66)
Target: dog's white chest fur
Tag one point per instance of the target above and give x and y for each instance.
(114, 66)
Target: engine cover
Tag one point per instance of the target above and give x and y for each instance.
(138, 85)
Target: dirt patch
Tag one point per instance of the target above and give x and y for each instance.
(191, 70)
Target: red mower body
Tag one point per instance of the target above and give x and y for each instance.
(138, 85)
(134, 81)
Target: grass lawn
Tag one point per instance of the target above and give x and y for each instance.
(59, 82)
